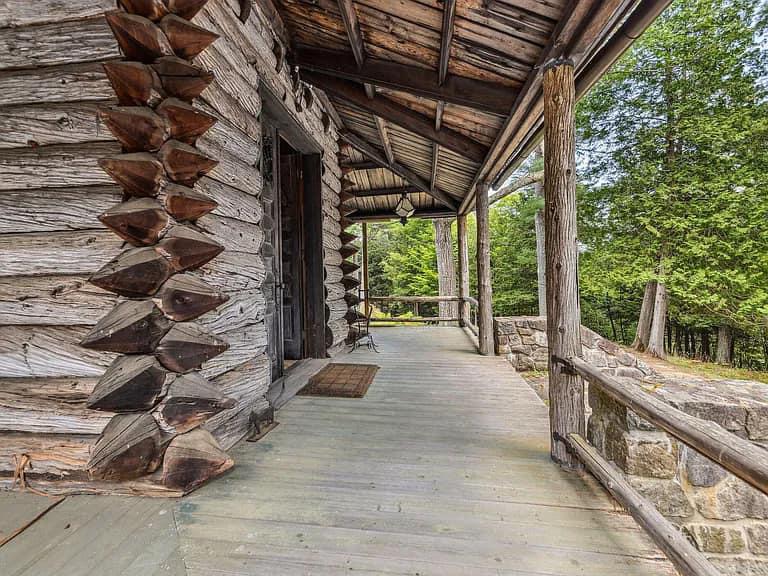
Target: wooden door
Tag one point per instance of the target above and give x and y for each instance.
(272, 287)
(292, 255)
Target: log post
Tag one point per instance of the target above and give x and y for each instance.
(541, 261)
(461, 233)
(566, 390)
(366, 284)
(485, 304)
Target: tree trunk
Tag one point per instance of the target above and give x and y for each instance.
(446, 269)
(566, 390)
(724, 345)
(484, 290)
(656, 339)
(705, 354)
(646, 317)
(541, 260)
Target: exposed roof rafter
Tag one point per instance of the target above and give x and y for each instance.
(381, 125)
(449, 16)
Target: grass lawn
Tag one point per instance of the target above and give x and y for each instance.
(712, 370)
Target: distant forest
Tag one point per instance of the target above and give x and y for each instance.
(673, 197)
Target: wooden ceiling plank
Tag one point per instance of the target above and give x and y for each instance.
(398, 114)
(464, 91)
(397, 191)
(379, 216)
(403, 171)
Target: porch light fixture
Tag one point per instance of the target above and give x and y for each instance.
(404, 208)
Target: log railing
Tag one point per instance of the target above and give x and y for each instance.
(737, 455)
(471, 318)
(416, 302)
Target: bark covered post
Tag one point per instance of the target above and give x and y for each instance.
(461, 235)
(446, 270)
(541, 261)
(566, 391)
(643, 334)
(485, 308)
(366, 286)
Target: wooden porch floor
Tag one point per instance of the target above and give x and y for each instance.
(442, 469)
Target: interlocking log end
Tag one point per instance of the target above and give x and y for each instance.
(190, 401)
(186, 346)
(140, 221)
(184, 164)
(350, 282)
(186, 8)
(182, 79)
(152, 9)
(347, 237)
(134, 273)
(131, 327)
(130, 384)
(137, 128)
(187, 249)
(139, 173)
(184, 297)
(192, 459)
(129, 447)
(134, 83)
(348, 267)
(139, 38)
(185, 203)
(186, 39)
(186, 123)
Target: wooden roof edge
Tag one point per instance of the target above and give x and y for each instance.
(515, 141)
(381, 216)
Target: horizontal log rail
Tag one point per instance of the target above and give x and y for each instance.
(413, 299)
(688, 560)
(471, 321)
(415, 319)
(416, 301)
(741, 457)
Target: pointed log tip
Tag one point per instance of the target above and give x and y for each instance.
(151, 9)
(140, 174)
(186, 8)
(131, 327)
(185, 164)
(137, 128)
(186, 122)
(187, 39)
(139, 38)
(187, 204)
(139, 221)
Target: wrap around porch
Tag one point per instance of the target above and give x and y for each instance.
(435, 471)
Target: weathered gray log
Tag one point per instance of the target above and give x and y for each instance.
(187, 204)
(187, 39)
(180, 78)
(192, 459)
(131, 327)
(446, 270)
(130, 384)
(184, 297)
(134, 273)
(686, 558)
(71, 82)
(140, 174)
(186, 122)
(245, 343)
(184, 164)
(140, 221)
(463, 249)
(134, 83)
(137, 128)
(129, 447)
(187, 346)
(484, 284)
(35, 414)
(187, 249)
(566, 391)
(643, 334)
(139, 38)
(189, 401)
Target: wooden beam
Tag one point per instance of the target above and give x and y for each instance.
(355, 166)
(366, 279)
(461, 236)
(449, 13)
(524, 180)
(384, 216)
(435, 163)
(398, 114)
(404, 172)
(566, 390)
(381, 125)
(439, 114)
(485, 308)
(469, 92)
(686, 558)
(396, 191)
(355, 35)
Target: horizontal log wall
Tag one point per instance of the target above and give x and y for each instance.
(52, 85)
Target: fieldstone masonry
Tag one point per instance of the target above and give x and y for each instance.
(725, 517)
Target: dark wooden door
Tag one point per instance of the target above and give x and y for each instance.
(292, 255)
(272, 287)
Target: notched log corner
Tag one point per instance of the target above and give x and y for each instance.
(187, 39)
(183, 163)
(140, 173)
(137, 128)
(192, 459)
(186, 122)
(187, 249)
(187, 346)
(130, 384)
(131, 327)
(134, 273)
(129, 447)
(139, 38)
(140, 221)
(187, 204)
(190, 401)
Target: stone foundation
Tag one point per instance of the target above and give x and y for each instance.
(724, 517)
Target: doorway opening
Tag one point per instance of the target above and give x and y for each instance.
(293, 254)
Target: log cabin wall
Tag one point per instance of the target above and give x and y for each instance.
(56, 135)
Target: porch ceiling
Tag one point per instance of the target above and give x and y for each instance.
(438, 95)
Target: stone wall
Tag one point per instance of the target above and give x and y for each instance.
(726, 518)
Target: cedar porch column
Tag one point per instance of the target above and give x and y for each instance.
(566, 391)
(485, 308)
(461, 234)
(366, 284)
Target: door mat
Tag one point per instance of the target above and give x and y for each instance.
(341, 381)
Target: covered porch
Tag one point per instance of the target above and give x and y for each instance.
(442, 469)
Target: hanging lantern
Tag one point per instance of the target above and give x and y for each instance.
(404, 208)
